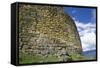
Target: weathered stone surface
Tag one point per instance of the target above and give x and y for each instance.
(47, 30)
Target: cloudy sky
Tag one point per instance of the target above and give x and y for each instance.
(85, 20)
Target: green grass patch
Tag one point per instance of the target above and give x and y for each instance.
(28, 58)
(25, 59)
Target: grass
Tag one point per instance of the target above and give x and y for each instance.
(89, 58)
(78, 57)
(25, 59)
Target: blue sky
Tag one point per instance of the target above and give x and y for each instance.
(85, 20)
(82, 14)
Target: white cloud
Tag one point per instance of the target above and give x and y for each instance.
(87, 35)
(84, 26)
(88, 41)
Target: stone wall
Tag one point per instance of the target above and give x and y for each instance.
(47, 30)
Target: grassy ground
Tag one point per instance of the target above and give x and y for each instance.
(25, 59)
